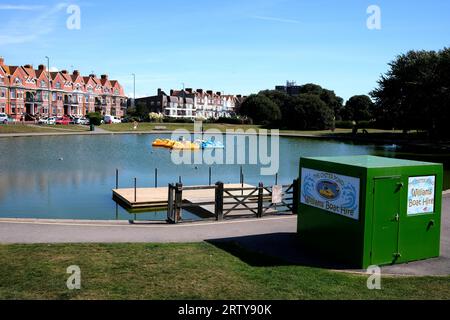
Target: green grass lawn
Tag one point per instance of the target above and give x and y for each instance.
(186, 271)
(20, 128)
(145, 126)
(149, 127)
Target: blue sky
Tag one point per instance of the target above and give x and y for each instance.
(233, 46)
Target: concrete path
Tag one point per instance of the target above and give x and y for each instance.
(274, 236)
(57, 231)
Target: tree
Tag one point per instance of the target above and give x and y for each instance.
(260, 109)
(358, 108)
(414, 93)
(308, 112)
(327, 96)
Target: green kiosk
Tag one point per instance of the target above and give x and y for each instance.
(366, 210)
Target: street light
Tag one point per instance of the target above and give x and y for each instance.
(134, 89)
(48, 86)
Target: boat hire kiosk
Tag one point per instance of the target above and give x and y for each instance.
(366, 210)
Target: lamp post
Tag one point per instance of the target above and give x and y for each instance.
(48, 86)
(184, 99)
(134, 89)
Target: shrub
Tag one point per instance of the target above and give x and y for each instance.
(95, 118)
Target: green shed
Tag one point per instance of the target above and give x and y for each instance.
(367, 210)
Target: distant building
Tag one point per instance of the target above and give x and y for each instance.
(291, 88)
(29, 92)
(192, 104)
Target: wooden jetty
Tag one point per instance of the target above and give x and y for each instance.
(148, 198)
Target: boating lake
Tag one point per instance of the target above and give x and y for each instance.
(71, 177)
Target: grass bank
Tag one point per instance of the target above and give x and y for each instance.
(151, 127)
(25, 128)
(186, 271)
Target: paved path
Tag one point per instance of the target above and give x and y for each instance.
(275, 236)
(54, 231)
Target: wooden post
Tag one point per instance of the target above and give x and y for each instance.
(260, 200)
(210, 175)
(295, 196)
(156, 177)
(276, 179)
(117, 179)
(170, 215)
(135, 190)
(178, 201)
(241, 176)
(242, 181)
(218, 209)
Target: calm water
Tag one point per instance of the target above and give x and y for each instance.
(72, 177)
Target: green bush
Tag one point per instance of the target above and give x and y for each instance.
(347, 124)
(344, 124)
(95, 118)
(177, 120)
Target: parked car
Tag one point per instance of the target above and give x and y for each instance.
(43, 121)
(51, 121)
(63, 121)
(111, 120)
(4, 118)
(81, 121)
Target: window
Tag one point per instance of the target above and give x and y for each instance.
(13, 93)
(13, 108)
(18, 81)
(58, 85)
(2, 79)
(3, 93)
(2, 108)
(43, 84)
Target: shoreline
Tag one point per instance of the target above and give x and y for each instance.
(109, 222)
(337, 137)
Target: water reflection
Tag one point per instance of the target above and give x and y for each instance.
(34, 182)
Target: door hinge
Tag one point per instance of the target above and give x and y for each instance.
(397, 217)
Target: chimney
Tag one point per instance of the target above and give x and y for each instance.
(200, 91)
(189, 90)
(159, 92)
(92, 75)
(42, 67)
(76, 73)
(171, 92)
(28, 66)
(209, 92)
(2, 61)
(219, 93)
(104, 77)
(64, 72)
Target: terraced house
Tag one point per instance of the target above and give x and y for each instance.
(27, 93)
(190, 104)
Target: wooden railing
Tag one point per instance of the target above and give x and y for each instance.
(250, 201)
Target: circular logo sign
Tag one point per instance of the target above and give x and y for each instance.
(328, 189)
